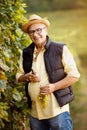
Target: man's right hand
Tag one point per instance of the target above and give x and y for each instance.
(29, 77)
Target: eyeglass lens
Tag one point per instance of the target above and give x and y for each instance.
(38, 31)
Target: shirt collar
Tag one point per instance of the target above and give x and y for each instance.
(48, 43)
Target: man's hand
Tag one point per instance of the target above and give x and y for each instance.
(29, 77)
(33, 78)
(47, 89)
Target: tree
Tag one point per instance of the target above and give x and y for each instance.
(13, 106)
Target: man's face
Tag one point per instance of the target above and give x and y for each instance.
(38, 33)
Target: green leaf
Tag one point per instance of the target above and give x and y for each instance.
(17, 95)
(2, 84)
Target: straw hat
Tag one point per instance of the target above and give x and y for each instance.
(33, 20)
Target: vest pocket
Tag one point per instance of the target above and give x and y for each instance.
(64, 96)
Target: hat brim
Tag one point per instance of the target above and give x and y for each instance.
(26, 26)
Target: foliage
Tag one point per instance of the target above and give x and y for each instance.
(13, 106)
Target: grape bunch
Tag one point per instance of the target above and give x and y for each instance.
(43, 100)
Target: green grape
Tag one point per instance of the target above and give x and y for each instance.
(43, 100)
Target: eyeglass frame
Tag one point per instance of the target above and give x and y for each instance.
(38, 31)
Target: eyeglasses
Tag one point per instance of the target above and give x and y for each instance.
(38, 31)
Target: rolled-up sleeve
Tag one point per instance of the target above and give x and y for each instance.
(69, 63)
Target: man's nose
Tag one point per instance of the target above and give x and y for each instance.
(35, 33)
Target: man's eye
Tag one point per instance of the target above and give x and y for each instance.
(39, 29)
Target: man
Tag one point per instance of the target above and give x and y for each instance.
(47, 67)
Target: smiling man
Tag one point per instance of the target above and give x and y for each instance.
(49, 70)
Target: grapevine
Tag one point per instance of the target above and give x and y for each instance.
(43, 99)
